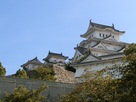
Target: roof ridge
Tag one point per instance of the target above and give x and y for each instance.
(92, 23)
(31, 61)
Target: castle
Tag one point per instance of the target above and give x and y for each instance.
(52, 58)
(101, 48)
(55, 61)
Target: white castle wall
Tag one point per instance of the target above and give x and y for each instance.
(80, 70)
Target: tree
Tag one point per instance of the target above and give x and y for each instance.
(21, 74)
(42, 73)
(109, 89)
(2, 70)
(127, 84)
(97, 89)
(22, 94)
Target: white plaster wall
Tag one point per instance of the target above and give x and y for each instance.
(99, 53)
(31, 66)
(80, 70)
(112, 47)
(97, 35)
(90, 44)
(111, 57)
(101, 46)
(107, 46)
(53, 59)
(93, 34)
(90, 58)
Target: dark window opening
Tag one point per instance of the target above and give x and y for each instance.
(103, 35)
(100, 34)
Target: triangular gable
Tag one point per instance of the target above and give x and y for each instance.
(91, 58)
(33, 61)
(77, 55)
(80, 49)
(100, 46)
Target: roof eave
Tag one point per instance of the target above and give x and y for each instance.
(96, 62)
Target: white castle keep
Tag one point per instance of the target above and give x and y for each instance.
(101, 48)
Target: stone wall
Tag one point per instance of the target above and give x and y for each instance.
(63, 75)
(52, 93)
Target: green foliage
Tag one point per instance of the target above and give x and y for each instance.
(22, 94)
(2, 70)
(97, 89)
(21, 74)
(128, 80)
(130, 53)
(43, 74)
(109, 89)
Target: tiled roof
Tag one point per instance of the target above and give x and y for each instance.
(86, 54)
(104, 26)
(94, 62)
(50, 54)
(33, 61)
(100, 58)
(120, 53)
(102, 40)
(57, 54)
(122, 48)
(101, 26)
(81, 49)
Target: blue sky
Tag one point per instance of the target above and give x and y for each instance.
(30, 28)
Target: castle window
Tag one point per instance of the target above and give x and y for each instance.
(103, 35)
(100, 34)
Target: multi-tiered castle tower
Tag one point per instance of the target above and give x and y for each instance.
(101, 48)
